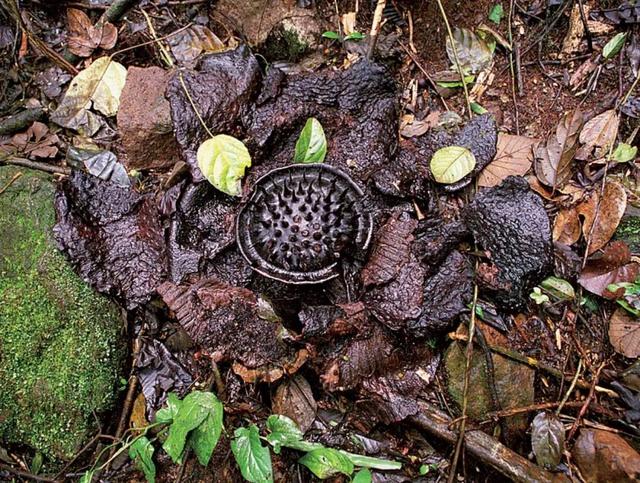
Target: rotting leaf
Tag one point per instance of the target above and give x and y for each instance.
(253, 458)
(624, 333)
(605, 456)
(327, 462)
(599, 133)
(100, 163)
(35, 142)
(547, 439)
(187, 45)
(514, 158)
(554, 157)
(294, 398)
(141, 451)
(311, 146)
(609, 212)
(84, 37)
(100, 86)
(473, 53)
(451, 164)
(223, 160)
(615, 266)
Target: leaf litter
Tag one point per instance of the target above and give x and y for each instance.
(372, 338)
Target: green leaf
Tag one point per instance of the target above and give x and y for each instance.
(614, 45)
(204, 438)
(36, 463)
(253, 459)
(468, 79)
(327, 462)
(363, 476)
(330, 34)
(538, 296)
(141, 451)
(451, 164)
(496, 14)
(559, 288)
(473, 53)
(223, 160)
(370, 462)
(311, 146)
(285, 432)
(624, 153)
(87, 477)
(355, 36)
(190, 415)
(477, 108)
(168, 413)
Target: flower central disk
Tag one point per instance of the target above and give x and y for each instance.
(300, 220)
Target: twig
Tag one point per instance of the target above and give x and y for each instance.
(11, 181)
(24, 474)
(484, 448)
(587, 401)
(465, 390)
(585, 24)
(530, 361)
(506, 413)
(193, 105)
(426, 74)
(514, 65)
(633, 86)
(375, 27)
(571, 387)
(21, 121)
(36, 165)
(455, 56)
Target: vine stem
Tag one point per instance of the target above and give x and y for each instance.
(193, 105)
(455, 56)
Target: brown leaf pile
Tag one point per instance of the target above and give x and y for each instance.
(84, 37)
(35, 142)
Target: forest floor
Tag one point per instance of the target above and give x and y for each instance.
(285, 220)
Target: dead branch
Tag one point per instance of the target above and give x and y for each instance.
(484, 448)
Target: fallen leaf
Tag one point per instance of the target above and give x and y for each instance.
(474, 54)
(514, 158)
(294, 399)
(99, 85)
(223, 160)
(614, 45)
(35, 142)
(566, 226)
(607, 217)
(598, 133)
(554, 158)
(348, 23)
(631, 107)
(614, 266)
(84, 37)
(451, 164)
(605, 456)
(413, 128)
(624, 333)
(582, 73)
(547, 439)
(575, 33)
(187, 45)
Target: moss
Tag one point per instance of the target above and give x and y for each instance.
(629, 232)
(284, 44)
(60, 349)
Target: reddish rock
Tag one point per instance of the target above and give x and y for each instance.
(144, 119)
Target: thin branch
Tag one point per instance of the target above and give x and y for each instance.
(375, 27)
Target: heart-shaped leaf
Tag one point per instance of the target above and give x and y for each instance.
(547, 439)
(223, 160)
(451, 164)
(253, 458)
(141, 451)
(327, 462)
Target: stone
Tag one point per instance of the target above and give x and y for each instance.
(144, 119)
(60, 348)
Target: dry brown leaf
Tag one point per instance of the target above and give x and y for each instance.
(187, 45)
(573, 39)
(349, 23)
(513, 158)
(294, 398)
(554, 158)
(607, 216)
(582, 73)
(624, 333)
(84, 37)
(614, 266)
(35, 142)
(410, 127)
(566, 227)
(599, 133)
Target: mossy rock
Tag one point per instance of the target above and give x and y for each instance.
(629, 231)
(291, 39)
(60, 349)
